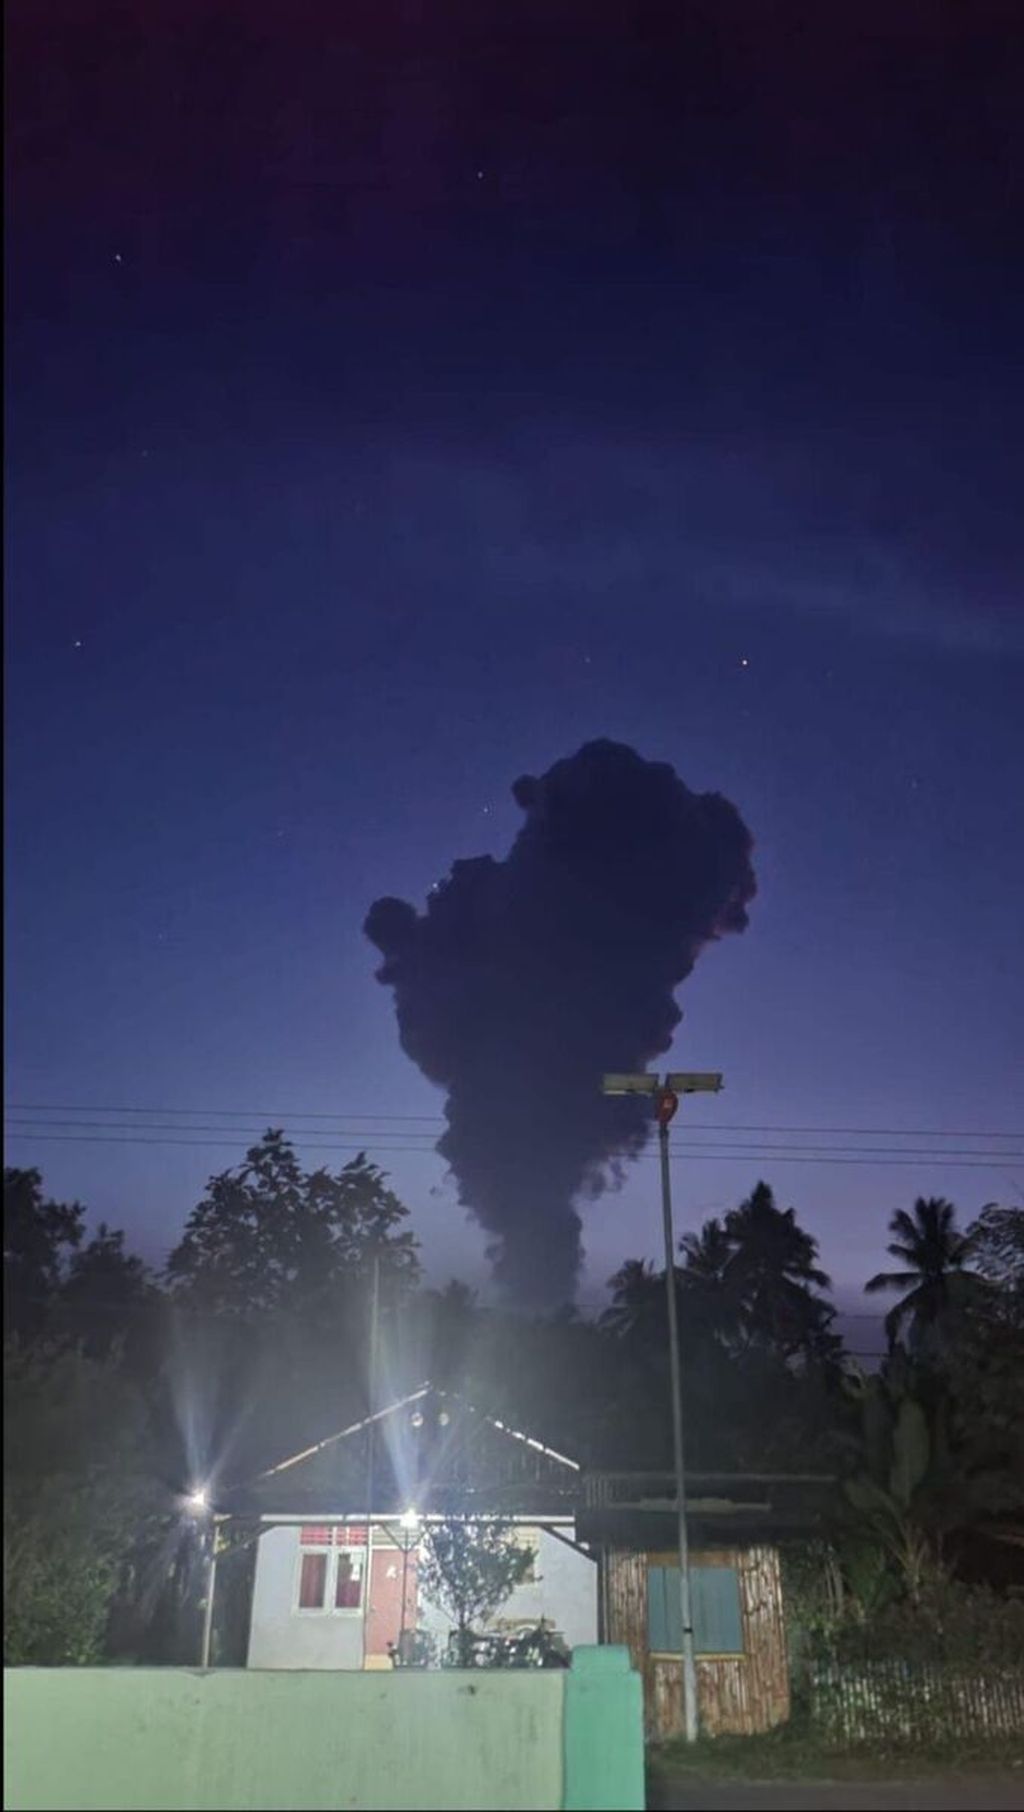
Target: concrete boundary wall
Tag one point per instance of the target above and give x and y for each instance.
(179, 1740)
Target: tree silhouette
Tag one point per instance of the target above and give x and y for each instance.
(105, 1297)
(712, 1305)
(773, 1278)
(79, 1488)
(933, 1253)
(452, 1318)
(995, 1243)
(38, 1237)
(269, 1236)
(637, 1308)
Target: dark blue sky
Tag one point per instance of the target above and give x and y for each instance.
(399, 396)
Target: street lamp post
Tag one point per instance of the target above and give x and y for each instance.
(211, 1587)
(409, 1536)
(666, 1101)
(197, 1503)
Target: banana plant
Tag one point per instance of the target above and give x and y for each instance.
(886, 1497)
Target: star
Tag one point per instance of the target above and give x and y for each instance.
(77, 643)
(744, 661)
(118, 258)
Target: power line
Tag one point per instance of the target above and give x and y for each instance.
(278, 1116)
(273, 1115)
(111, 1127)
(235, 1132)
(158, 1138)
(722, 1152)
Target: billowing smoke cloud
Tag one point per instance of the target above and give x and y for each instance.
(525, 979)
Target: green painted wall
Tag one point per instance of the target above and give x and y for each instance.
(603, 1738)
(102, 1739)
(167, 1739)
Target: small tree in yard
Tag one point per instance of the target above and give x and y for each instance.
(469, 1570)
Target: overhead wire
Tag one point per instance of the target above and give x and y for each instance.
(279, 1116)
(955, 1159)
(41, 1127)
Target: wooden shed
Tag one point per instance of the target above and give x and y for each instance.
(742, 1672)
(736, 1590)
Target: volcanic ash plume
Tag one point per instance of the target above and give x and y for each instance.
(525, 979)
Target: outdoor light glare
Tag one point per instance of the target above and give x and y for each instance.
(198, 1500)
(409, 1521)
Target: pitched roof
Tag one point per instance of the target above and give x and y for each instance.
(467, 1459)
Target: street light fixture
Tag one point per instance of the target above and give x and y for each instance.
(665, 1095)
(631, 1085)
(694, 1082)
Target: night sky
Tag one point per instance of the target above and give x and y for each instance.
(402, 395)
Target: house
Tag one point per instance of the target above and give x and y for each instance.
(736, 1525)
(337, 1586)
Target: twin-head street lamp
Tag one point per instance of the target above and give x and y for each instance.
(665, 1093)
(677, 1082)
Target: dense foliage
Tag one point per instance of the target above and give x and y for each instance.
(949, 1624)
(79, 1492)
(124, 1389)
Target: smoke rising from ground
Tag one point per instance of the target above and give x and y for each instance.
(523, 980)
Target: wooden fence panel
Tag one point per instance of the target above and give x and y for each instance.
(899, 1700)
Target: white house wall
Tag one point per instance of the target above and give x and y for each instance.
(564, 1593)
(280, 1635)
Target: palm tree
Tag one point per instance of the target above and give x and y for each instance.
(934, 1253)
(773, 1277)
(638, 1295)
(708, 1252)
(710, 1297)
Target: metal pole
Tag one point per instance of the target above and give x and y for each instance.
(405, 1587)
(372, 1384)
(211, 1585)
(370, 1433)
(689, 1662)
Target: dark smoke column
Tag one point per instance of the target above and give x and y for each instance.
(525, 979)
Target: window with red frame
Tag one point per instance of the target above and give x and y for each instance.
(332, 1567)
(313, 1580)
(348, 1581)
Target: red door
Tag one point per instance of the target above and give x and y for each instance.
(384, 1610)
